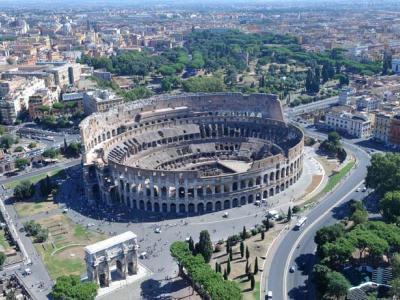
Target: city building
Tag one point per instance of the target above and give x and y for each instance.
(367, 104)
(100, 101)
(15, 97)
(356, 125)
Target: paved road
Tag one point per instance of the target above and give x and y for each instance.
(33, 172)
(285, 285)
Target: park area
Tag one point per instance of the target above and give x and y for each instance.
(257, 249)
(63, 252)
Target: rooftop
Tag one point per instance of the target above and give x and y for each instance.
(105, 244)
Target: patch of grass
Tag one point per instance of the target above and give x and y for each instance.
(337, 177)
(27, 209)
(80, 231)
(3, 242)
(58, 266)
(256, 291)
(35, 179)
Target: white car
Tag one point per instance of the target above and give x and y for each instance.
(157, 230)
(269, 295)
(358, 189)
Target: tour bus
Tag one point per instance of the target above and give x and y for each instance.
(300, 223)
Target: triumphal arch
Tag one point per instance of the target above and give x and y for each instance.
(119, 251)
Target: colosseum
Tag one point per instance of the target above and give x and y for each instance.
(192, 153)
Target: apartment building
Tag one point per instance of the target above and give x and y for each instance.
(356, 125)
(100, 101)
(15, 98)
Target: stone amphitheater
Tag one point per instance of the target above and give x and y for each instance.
(191, 153)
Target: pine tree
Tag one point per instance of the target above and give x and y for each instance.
(256, 266)
(289, 214)
(228, 267)
(247, 253)
(241, 249)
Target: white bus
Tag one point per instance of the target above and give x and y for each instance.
(300, 223)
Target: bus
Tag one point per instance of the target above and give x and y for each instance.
(300, 223)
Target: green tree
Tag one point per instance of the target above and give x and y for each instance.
(24, 190)
(191, 245)
(241, 249)
(244, 233)
(71, 288)
(2, 258)
(42, 235)
(50, 153)
(216, 267)
(230, 254)
(255, 266)
(337, 285)
(247, 253)
(395, 263)
(384, 172)
(262, 234)
(21, 163)
(390, 206)
(225, 274)
(6, 141)
(395, 287)
(205, 245)
(359, 216)
(289, 214)
(319, 277)
(228, 266)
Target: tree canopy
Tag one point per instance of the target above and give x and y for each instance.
(71, 288)
(212, 282)
(384, 172)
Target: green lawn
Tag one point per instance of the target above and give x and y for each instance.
(58, 265)
(335, 179)
(35, 179)
(3, 242)
(256, 291)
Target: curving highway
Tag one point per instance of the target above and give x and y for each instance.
(297, 248)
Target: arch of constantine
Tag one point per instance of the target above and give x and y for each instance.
(119, 251)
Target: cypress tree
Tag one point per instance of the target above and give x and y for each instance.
(244, 233)
(216, 267)
(256, 266)
(241, 249)
(262, 235)
(191, 245)
(205, 245)
(247, 253)
(289, 214)
(225, 275)
(230, 254)
(228, 267)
